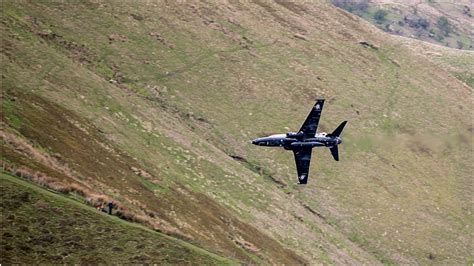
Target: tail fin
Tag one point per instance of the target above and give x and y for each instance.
(338, 130)
(335, 152)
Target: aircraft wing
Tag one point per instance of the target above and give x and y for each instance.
(311, 123)
(302, 159)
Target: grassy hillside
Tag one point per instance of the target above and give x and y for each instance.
(42, 227)
(447, 23)
(153, 106)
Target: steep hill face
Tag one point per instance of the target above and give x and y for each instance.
(43, 227)
(153, 106)
(448, 23)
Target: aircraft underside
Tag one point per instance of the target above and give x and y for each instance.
(303, 141)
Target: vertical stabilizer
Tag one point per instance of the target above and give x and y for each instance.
(338, 130)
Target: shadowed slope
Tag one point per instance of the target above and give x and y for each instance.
(42, 227)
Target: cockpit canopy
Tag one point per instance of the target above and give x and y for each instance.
(295, 134)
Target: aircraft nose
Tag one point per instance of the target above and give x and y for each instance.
(254, 142)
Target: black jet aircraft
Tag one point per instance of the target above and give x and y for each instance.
(303, 141)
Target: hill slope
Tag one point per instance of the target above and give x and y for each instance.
(447, 23)
(153, 106)
(42, 227)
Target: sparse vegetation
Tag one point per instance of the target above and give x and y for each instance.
(380, 16)
(417, 22)
(421, 21)
(159, 119)
(38, 226)
(444, 26)
(353, 6)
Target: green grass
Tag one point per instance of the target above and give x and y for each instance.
(9, 112)
(406, 137)
(39, 226)
(396, 14)
(466, 77)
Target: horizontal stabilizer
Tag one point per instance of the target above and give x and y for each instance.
(335, 152)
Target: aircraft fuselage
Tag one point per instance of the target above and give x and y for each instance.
(289, 143)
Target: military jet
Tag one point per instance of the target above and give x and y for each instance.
(303, 141)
